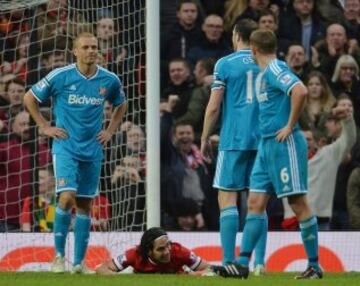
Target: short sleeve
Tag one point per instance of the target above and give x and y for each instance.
(219, 75)
(117, 95)
(41, 90)
(283, 78)
(125, 260)
(189, 258)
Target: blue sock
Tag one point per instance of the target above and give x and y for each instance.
(260, 247)
(254, 226)
(61, 229)
(229, 226)
(81, 233)
(309, 235)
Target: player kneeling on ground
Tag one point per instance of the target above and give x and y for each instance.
(157, 254)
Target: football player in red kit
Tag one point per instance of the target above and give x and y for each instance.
(156, 254)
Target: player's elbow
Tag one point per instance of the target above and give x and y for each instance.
(28, 99)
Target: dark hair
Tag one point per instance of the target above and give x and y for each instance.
(180, 60)
(15, 81)
(244, 28)
(148, 238)
(265, 41)
(267, 12)
(181, 2)
(207, 64)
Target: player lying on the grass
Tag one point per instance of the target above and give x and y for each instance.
(156, 254)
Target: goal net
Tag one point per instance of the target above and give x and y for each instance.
(35, 37)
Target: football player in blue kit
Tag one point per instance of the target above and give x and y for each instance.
(233, 93)
(78, 92)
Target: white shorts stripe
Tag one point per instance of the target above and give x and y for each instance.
(293, 163)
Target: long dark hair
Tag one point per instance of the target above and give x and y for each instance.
(147, 240)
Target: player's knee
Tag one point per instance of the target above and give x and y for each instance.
(255, 206)
(298, 204)
(67, 200)
(227, 199)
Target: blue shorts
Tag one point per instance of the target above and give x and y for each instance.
(281, 167)
(233, 169)
(81, 177)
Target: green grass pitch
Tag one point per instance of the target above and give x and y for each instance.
(271, 279)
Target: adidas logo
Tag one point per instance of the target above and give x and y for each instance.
(59, 234)
(73, 87)
(286, 189)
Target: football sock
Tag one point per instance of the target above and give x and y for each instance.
(253, 229)
(260, 247)
(61, 229)
(229, 226)
(81, 233)
(309, 235)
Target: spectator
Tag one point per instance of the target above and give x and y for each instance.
(19, 66)
(353, 190)
(335, 45)
(269, 21)
(330, 11)
(185, 214)
(15, 90)
(109, 47)
(52, 19)
(199, 97)
(306, 28)
(213, 43)
(352, 18)
(45, 210)
(296, 60)
(346, 79)
(323, 166)
(340, 218)
(53, 57)
(184, 174)
(253, 9)
(181, 85)
(233, 8)
(320, 100)
(128, 195)
(185, 33)
(15, 170)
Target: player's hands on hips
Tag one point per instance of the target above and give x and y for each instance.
(206, 149)
(104, 137)
(53, 132)
(282, 134)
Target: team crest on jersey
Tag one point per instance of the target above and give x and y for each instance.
(263, 84)
(102, 91)
(61, 182)
(285, 79)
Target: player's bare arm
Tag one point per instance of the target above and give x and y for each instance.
(32, 106)
(298, 99)
(211, 116)
(105, 135)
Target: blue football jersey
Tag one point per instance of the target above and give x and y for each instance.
(273, 94)
(237, 73)
(78, 107)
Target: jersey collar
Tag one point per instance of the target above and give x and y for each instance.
(87, 78)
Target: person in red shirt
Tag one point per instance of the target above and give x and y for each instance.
(157, 254)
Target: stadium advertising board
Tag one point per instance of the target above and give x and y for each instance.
(34, 251)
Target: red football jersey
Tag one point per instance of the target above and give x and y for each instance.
(180, 256)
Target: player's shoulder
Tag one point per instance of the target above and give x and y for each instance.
(178, 249)
(109, 74)
(59, 72)
(277, 67)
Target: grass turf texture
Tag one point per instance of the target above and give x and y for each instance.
(276, 279)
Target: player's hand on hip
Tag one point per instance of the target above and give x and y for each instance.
(104, 137)
(282, 134)
(206, 150)
(53, 132)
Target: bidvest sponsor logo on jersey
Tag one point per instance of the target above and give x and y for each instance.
(84, 100)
